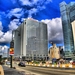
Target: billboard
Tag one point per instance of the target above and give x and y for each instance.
(11, 51)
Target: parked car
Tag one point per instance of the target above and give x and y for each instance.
(22, 64)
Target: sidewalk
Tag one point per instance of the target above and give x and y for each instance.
(11, 71)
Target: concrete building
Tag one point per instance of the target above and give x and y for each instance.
(68, 16)
(31, 40)
(54, 52)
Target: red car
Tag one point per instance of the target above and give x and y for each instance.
(73, 63)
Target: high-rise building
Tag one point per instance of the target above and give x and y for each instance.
(68, 16)
(31, 39)
(73, 29)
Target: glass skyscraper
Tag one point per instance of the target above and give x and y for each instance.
(33, 39)
(68, 16)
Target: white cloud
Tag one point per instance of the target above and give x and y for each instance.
(27, 2)
(27, 8)
(15, 12)
(1, 33)
(32, 11)
(14, 24)
(33, 6)
(6, 37)
(54, 30)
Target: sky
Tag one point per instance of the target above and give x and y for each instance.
(13, 12)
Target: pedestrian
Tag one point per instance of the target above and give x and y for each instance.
(1, 70)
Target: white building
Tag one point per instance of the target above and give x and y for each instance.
(30, 39)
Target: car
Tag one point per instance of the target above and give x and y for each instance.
(8, 63)
(22, 64)
(73, 63)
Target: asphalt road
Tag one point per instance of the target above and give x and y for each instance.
(48, 71)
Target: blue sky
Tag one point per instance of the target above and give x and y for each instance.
(12, 13)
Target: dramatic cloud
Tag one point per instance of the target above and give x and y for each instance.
(54, 30)
(33, 6)
(6, 37)
(27, 8)
(17, 14)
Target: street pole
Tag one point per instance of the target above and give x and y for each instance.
(10, 61)
(11, 46)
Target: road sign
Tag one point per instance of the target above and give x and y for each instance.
(11, 52)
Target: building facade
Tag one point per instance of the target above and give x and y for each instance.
(31, 40)
(68, 16)
(54, 52)
(73, 29)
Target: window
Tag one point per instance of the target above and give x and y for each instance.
(40, 55)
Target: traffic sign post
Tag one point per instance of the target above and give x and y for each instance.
(11, 52)
(12, 44)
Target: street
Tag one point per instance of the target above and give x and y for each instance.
(48, 71)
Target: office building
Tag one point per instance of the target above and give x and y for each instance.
(68, 16)
(73, 29)
(31, 40)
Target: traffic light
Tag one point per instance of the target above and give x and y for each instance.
(12, 44)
